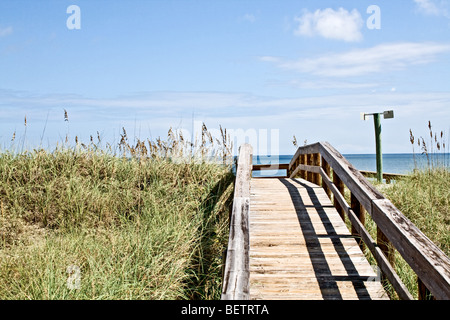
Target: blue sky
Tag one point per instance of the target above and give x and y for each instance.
(268, 70)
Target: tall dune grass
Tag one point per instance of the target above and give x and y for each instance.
(147, 220)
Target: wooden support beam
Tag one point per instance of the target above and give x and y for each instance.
(386, 247)
(281, 166)
(359, 211)
(316, 162)
(327, 169)
(309, 162)
(341, 188)
(387, 176)
(303, 161)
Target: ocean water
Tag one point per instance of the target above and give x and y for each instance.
(401, 163)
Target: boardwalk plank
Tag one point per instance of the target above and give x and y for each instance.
(301, 249)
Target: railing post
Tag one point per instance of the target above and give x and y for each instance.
(386, 247)
(340, 186)
(302, 160)
(309, 162)
(316, 162)
(327, 169)
(388, 250)
(359, 211)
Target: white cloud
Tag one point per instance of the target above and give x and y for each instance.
(269, 59)
(249, 17)
(390, 56)
(429, 7)
(5, 31)
(331, 84)
(331, 24)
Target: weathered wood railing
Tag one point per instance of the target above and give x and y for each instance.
(315, 163)
(281, 166)
(387, 176)
(236, 272)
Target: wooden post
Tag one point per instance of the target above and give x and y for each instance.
(386, 247)
(316, 162)
(359, 211)
(309, 162)
(302, 160)
(289, 172)
(340, 186)
(326, 167)
(294, 166)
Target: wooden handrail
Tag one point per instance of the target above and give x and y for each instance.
(281, 166)
(430, 264)
(236, 285)
(387, 176)
(277, 167)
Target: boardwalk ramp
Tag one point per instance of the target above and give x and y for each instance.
(302, 236)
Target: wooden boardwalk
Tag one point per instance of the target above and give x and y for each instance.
(300, 248)
(288, 240)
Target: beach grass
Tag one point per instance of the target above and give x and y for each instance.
(147, 220)
(423, 197)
